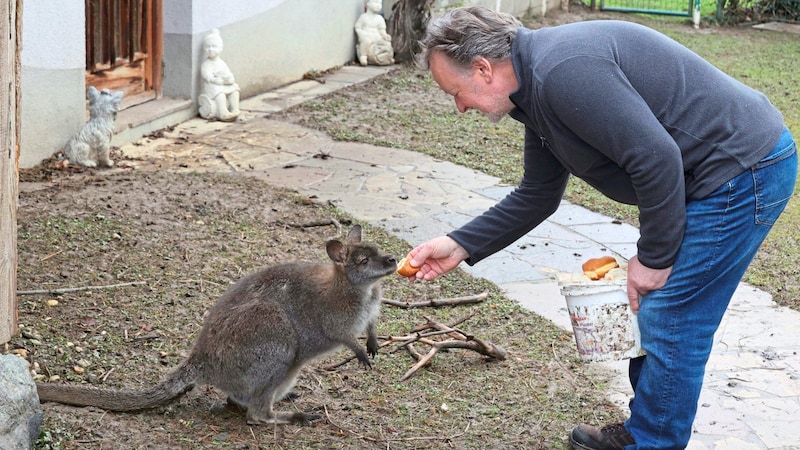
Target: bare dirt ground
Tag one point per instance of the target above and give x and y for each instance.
(182, 239)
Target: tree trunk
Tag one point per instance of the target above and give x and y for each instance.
(407, 25)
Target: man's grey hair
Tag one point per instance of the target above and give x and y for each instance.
(464, 34)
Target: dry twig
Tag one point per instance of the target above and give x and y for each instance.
(75, 289)
(438, 302)
(316, 223)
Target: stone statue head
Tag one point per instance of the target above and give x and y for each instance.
(374, 5)
(212, 43)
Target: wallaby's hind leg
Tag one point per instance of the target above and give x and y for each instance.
(260, 410)
(241, 400)
(238, 401)
(284, 390)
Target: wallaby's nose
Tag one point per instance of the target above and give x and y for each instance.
(391, 260)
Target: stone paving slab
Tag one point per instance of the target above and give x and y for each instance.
(751, 398)
(784, 27)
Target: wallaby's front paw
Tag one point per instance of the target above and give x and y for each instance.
(364, 360)
(372, 349)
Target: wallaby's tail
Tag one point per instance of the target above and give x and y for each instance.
(177, 383)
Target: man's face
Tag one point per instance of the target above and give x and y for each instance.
(478, 88)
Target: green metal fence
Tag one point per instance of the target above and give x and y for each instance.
(688, 8)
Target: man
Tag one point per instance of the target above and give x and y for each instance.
(706, 159)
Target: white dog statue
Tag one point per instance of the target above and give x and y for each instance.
(90, 146)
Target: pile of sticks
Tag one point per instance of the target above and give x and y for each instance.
(438, 336)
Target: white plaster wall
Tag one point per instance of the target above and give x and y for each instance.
(268, 43)
(279, 45)
(52, 103)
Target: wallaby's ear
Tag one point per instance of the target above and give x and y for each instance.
(354, 236)
(335, 250)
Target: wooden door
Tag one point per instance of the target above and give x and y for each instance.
(123, 48)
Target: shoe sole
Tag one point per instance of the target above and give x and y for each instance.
(576, 445)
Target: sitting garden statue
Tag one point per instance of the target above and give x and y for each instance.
(89, 147)
(374, 43)
(220, 95)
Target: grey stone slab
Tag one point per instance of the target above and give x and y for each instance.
(503, 267)
(779, 26)
(415, 230)
(556, 258)
(463, 177)
(300, 178)
(543, 298)
(454, 219)
(625, 250)
(569, 214)
(608, 232)
(496, 193)
(358, 74)
(777, 434)
(757, 329)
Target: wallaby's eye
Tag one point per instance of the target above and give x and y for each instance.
(363, 261)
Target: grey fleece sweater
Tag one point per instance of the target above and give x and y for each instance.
(635, 114)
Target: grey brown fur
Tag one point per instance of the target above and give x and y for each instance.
(263, 330)
(90, 146)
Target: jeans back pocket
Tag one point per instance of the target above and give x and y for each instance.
(774, 178)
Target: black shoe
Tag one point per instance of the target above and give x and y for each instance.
(611, 437)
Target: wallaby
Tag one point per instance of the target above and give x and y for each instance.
(263, 329)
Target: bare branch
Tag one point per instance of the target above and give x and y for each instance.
(434, 303)
(422, 362)
(75, 289)
(316, 223)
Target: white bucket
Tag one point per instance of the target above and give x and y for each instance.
(605, 327)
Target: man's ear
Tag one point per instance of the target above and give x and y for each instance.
(483, 67)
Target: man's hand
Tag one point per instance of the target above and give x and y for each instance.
(436, 257)
(643, 280)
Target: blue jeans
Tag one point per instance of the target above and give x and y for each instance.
(678, 322)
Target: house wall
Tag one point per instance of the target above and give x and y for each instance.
(53, 77)
(268, 43)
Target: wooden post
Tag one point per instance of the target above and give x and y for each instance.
(9, 164)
